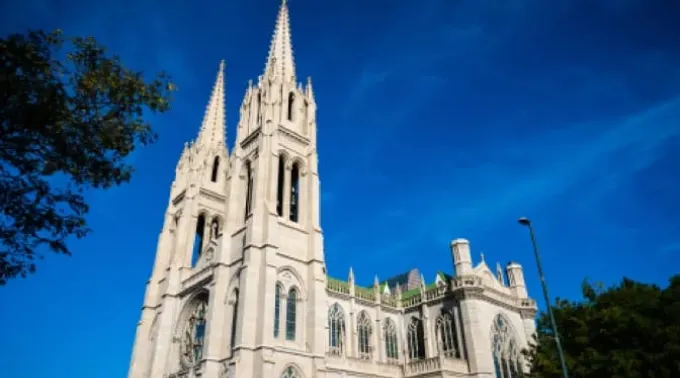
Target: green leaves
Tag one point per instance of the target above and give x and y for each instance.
(72, 120)
(629, 330)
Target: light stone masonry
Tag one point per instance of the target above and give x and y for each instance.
(239, 285)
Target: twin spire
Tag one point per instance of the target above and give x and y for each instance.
(279, 64)
(280, 60)
(212, 131)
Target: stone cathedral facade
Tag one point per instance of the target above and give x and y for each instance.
(239, 286)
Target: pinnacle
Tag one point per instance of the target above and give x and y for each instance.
(212, 131)
(280, 60)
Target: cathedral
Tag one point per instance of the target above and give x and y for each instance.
(239, 286)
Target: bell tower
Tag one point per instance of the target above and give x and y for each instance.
(239, 276)
(273, 217)
(194, 221)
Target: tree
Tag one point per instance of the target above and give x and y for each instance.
(629, 330)
(69, 115)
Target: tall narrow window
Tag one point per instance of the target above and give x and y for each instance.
(336, 330)
(291, 102)
(249, 188)
(506, 357)
(277, 309)
(447, 338)
(280, 184)
(416, 339)
(291, 313)
(215, 169)
(391, 346)
(259, 106)
(198, 239)
(234, 318)
(294, 192)
(364, 331)
(194, 331)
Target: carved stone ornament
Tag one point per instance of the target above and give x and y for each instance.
(191, 347)
(209, 254)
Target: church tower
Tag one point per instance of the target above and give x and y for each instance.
(238, 285)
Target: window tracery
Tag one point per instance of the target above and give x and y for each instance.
(506, 357)
(194, 332)
(446, 335)
(391, 341)
(416, 339)
(364, 332)
(290, 372)
(336, 330)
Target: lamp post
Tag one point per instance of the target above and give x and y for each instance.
(526, 222)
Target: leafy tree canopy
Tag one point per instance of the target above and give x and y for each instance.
(69, 115)
(631, 330)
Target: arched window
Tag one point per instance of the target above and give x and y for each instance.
(249, 188)
(215, 169)
(391, 341)
(291, 102)
(294, 192)
(234, 318)
(364, 331)
(193, 335)
(291, 314)
(446, 335)
(416, 339)
(198, 239)
(280, 184)
(336, 330)
(290, 373)
(506, 358)
(259, 107)
(277, 309)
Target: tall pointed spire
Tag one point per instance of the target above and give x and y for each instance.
(212, 131)
(280, 60)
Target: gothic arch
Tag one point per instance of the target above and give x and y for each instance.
(300, 163)
(186, 306)
(364, 335)
(191, 327)
(293, 313)
(446, 334)
(281, 182)
(293, 278)
(243, 172)
(234, 283)
(337, 330)
(415, 338)
(291, 370)
(391, 339)
(505, 349)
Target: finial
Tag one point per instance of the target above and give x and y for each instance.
(284, 2)
(481, 255)
(221, 65)
(351, 274)
(376, 282)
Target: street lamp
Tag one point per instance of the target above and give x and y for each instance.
(526, 222)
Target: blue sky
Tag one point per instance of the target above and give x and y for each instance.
(437, 119)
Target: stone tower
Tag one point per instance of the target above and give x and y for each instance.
(239, 280)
